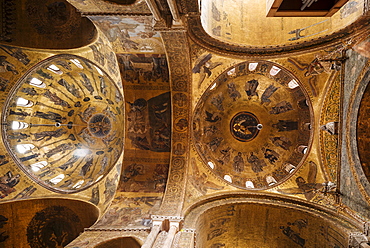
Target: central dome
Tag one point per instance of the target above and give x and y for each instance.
(252, 125)
(64, 123)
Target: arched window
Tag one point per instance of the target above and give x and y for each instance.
(213, 86)
(274, 70)
(77, 63)
(55, 69)
(249, 185)
(78, 184)
(57, 179)
(100, 72)
(21, 102)
(302, 149)
(289, 168)
(293, 84)
(252, 66)
(228, 178)
(211, 164)
(23, 148)
(270, 180)
(18, 125)
(38, 166)
(231, 72)
(37, 83)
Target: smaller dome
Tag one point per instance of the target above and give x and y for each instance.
(64, 123)
(250, 125)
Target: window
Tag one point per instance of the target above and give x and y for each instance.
(23, 148)
(77, 63)
(100, 72)
(38, 166)
(78, 184)
(249, 185)
(289, 168)
(55, 69)
(18, 125)
(293, 84)
(270, 180)
(21, 102)
(228, 178)
(274, 70)
(252, 66)
(211, 164)
(37, 82)
(57, 179)
(213, 86)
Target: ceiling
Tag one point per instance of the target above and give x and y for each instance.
(224, 123)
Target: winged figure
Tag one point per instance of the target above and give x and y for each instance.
(204, 67)
(212, 117)
(307, 188)
(200, 180)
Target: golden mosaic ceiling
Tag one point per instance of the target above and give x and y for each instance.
(252, 125)
(245, 23)
(258, 225)
(62, 123)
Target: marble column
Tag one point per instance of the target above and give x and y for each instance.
(157, 225)
(174, 227)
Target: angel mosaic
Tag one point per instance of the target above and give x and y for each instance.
(200, 180)
(307, 188)
(204, 67)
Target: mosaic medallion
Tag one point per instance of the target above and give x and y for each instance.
(100, 125)
(244, 126)
(54, 226)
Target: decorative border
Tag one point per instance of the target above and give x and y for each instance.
(177, 50)
(329, 144)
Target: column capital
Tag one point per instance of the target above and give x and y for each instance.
(357, 240)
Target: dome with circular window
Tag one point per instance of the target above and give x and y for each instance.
(252, 125)
(62, 123)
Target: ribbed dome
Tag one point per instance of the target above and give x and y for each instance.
(64, 123)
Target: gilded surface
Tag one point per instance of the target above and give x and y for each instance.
(329, 141)
(166, 71)
(249, 125)
(58, 117)
(221, 21)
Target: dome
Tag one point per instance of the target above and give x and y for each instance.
(63, 123)
(252, 125)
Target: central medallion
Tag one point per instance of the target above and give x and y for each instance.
(100, 125)
(244, 126)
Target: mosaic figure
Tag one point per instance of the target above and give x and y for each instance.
(204, 67)
(251, 88)
(257, 164)
(281, 107)
(212, 117)
(47, 135)
(268, 93)
(200, 180)
(233, 92)
(238, 163)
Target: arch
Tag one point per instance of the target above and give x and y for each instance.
(55, 24)
(62, 221)
(229, 220)
(356, 127)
